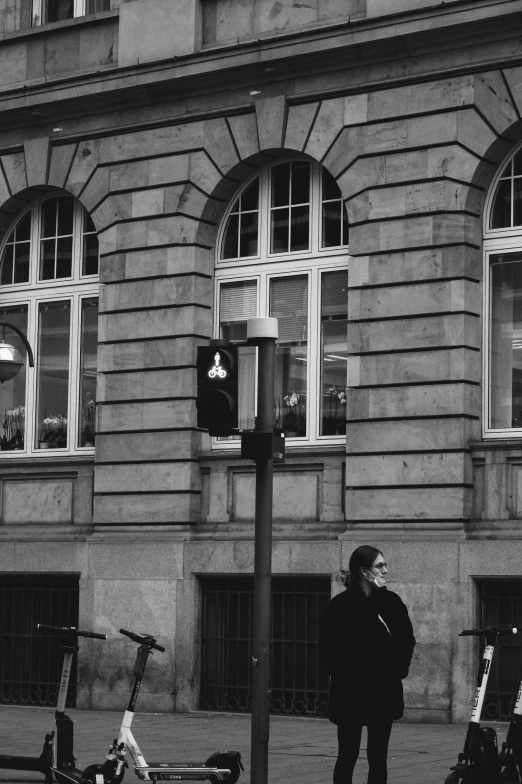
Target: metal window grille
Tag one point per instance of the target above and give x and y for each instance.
(501, 605)
(30, 661)
(299, 685)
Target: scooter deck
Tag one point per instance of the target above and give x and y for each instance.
(68, 775)
(181, 771)
(11, 762)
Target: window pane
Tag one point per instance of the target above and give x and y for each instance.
(517, 201)
(300, 182)
(345, 226)
(230, 239)
(93, 6)
(332, 224)
(501, 213)
(7, 266)
(517, 163)
(280, 226)
(289, 304)
(15, 258)
(56, 10)
(12, 393)
(64, 257)
(330, 188)
(250, 197)
(334, 352)
(47, 258)
(300, 228)
(91, 254)
(21, 266)
(248, 238)
(88, 349)
(506, 341)
(49, 209)
(65, 216)
(238, 302)
(54, 320)
(281, 185)
(23, 228)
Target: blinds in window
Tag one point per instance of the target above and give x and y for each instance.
(238, 301)
(289, 304)
(334, 294)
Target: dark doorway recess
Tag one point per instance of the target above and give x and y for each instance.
(299, 685)
(30, 661)
(501, 605)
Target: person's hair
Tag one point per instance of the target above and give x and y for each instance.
(361, 558)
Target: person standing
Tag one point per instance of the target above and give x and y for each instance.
(365, 643)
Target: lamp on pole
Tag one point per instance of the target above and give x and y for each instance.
(10, 358)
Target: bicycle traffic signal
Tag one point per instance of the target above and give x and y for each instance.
(217, 395)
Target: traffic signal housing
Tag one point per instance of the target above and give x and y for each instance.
(217, 394)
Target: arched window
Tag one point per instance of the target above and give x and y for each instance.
(283, 252)
(503, 302)
(49, 289)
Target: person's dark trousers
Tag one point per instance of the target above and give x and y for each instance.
(349, 737)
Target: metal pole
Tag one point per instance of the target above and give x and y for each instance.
(262, 571)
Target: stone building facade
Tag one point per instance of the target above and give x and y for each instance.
(153, 115)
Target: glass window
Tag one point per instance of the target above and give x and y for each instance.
(334, 219)
(15, 256)
(57, 10)
(12, 393)
(53, 374)
(290, 207)
(289, 304)
(47, 11)
(506, 340)
(300, 277)
(56, 306)
(238, 303)
(334, 352)
(506, 211)
(241, 232)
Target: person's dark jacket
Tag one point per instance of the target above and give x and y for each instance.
(366, 657)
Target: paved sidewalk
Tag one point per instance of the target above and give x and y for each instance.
(301, 750)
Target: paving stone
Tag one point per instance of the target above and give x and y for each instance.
(417, 751)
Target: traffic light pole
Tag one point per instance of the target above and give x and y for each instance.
(263, 553)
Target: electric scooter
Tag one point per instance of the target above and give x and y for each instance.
(57, 755)
(511, 754)
(480, 762)
(221, 766)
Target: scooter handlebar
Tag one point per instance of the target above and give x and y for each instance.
(143, 639)
(71, 630)
(488, 630)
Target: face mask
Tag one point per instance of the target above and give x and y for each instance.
(376, 581)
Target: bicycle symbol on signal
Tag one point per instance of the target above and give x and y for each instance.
(217, 370)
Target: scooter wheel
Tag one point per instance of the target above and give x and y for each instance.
(453, 778)
(235, 772)
(510, 774)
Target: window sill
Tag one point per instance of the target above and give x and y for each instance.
(496, 444)
(234, 453)
(57, 460)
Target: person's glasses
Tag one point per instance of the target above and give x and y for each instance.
(380, 566)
